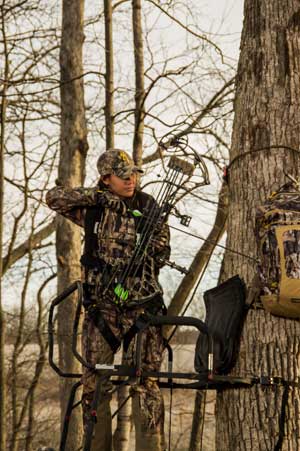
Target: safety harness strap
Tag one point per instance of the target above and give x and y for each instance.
(93, 217)
(152, 307)
(140, 324)
(96, 316)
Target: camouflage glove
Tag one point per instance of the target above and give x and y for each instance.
(112, 201)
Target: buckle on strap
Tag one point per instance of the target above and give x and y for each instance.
(270, 380)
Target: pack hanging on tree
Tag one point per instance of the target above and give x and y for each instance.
(277, 233)
(226, 310)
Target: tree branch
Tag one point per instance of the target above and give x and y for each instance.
(199, 36)
(201, 258)
(23, 249)
(213, 102)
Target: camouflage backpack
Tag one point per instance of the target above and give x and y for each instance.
(278, 238)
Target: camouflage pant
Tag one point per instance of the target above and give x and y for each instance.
(147, 397)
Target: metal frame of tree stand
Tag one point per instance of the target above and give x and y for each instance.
(207, 381)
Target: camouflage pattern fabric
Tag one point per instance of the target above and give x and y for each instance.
(291, 242)
(278, 237)
(72, 202)
(281, 209)
(117, 162)
(96, 350)
(117, 235)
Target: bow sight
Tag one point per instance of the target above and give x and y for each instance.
(179, 143)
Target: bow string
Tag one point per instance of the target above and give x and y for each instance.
(179, 171)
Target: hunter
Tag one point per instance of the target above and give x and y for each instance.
(115, 217)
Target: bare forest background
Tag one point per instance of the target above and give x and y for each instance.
(77, 78)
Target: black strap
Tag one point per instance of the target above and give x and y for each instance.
(92, 216)
(96, 316)
(140, 324)
(88, 436)
(90, 262)
(150, 308)
(284, 403)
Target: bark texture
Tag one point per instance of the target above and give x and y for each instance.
(198, 421)
(121, 437)
(71, 173)
(139, 113)
(2, 315)
(109, 75)
(267, 114)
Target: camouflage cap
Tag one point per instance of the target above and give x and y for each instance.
(117, 162)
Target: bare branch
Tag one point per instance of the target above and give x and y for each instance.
(34, 241)
(199, 36)
(201, 258)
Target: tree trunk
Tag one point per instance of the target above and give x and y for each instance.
(266, 115)
(198, 421)
(109, 75)
(2, 317)
(122, 432)
(71, 173)
(139, 82)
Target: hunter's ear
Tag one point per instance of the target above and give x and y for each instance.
(105, 179)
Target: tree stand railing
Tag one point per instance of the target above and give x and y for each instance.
(135, 373)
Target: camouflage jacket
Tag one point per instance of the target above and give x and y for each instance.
(118, 233)
(72, 202)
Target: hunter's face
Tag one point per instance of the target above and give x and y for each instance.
(121, 187)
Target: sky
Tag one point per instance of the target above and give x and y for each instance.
(230, 12)
(224, 19)
(227, 19)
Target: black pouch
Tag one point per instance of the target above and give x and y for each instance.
(225, 314)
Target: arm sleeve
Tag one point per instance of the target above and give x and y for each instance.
(72, 202)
